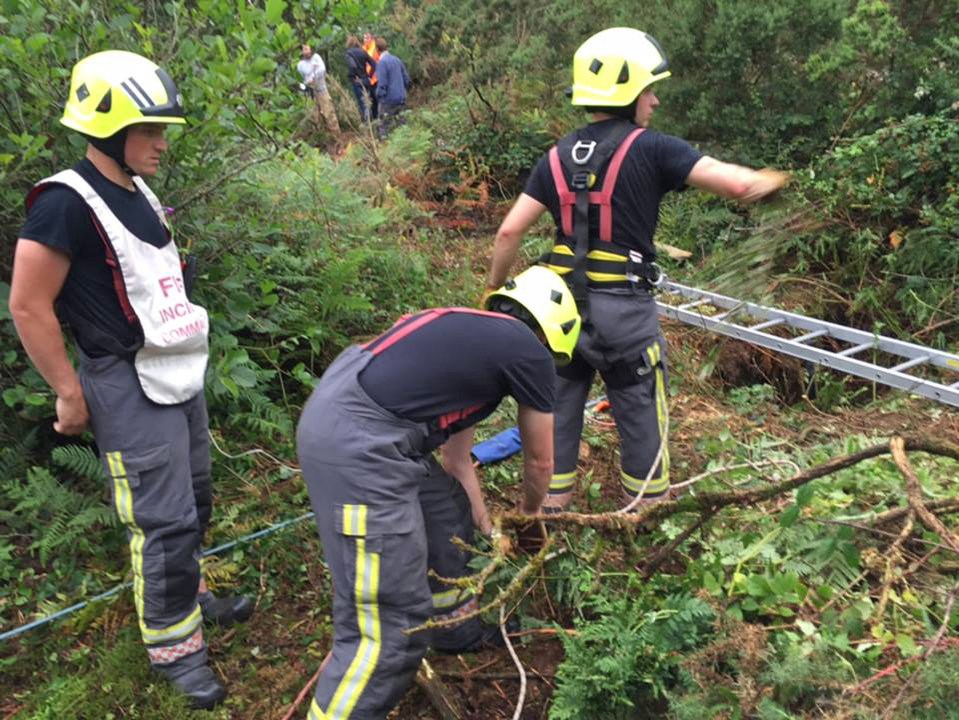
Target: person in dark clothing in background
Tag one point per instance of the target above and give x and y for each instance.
(390, 89)
(357, 62)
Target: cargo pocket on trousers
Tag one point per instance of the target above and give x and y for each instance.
(385, 556)
(134, 475)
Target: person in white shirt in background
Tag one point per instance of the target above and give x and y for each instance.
(313, 70)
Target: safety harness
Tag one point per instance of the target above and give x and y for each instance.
(443, 426)
(594, 262)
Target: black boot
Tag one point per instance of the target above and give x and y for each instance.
(225, 611)
(199, 684)
(486, 637)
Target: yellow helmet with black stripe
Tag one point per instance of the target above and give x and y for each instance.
(114, 89)
(540, 298)
(614, 66)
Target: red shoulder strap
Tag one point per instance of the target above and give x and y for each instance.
(603, 198)
(411, 323)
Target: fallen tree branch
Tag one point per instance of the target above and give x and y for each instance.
(443, 701)
(715, 501)
(514, 588)
(914, 494)
(652, 565)
(950, 601)
(893, 557)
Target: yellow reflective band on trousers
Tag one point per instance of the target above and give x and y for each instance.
(657, 486)
(561, 482)
(365, 590)
(315, 712)
(449, 598)
(123, 499)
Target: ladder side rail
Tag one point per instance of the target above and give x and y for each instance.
(850, 365)
(853, 336)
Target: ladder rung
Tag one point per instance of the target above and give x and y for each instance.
(695, 303)
(810, 336)
(767, 324)
(910, 363)
(855, 349)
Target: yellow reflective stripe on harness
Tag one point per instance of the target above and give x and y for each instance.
(562, 481)
(558, 269)
(315, 712)
(123, 499)
(606, 277)
(563, 250)
(605, 255)
(365, 590)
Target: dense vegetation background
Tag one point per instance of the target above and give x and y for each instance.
(767, 614)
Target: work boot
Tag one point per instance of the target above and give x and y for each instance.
(225, 611)
(199, 684)
(488, 637)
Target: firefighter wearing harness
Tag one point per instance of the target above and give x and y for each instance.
(387, 510)
(603, 185)
(96, 250)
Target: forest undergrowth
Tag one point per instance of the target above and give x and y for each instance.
(808, 566)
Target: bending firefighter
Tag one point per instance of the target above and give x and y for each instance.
(387, 510)
(96, 248)
(603, 184)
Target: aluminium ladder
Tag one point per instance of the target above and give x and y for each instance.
(716, 313)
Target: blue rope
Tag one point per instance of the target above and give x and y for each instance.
(109, 593)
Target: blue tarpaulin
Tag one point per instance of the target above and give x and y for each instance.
(499, 447)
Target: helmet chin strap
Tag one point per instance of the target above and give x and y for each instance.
(113, 147)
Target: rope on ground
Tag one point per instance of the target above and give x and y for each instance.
(518, 713)
(113, 591)
(254, 451)
(303, 693)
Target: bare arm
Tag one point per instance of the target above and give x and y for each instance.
(520, 218)
(536, 433)
(459, 464)
(735, 181)
(38, 275)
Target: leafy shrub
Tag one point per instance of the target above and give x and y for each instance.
(626, 653)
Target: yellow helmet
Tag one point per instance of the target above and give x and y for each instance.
(538, 295)
(614, 66)
(114, 89)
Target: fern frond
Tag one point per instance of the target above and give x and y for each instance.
(80, 460)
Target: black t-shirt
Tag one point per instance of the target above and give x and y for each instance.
(654, 165)
(356, 61)
(454, 370)
(88, 302)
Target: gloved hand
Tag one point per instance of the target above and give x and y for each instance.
(531, 538)
(765, 184)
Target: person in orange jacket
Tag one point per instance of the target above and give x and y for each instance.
(369, 44)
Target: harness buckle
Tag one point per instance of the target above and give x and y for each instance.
(578, 147)
(581, 180)
(637, 269)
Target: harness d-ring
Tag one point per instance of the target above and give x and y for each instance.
(580, 145)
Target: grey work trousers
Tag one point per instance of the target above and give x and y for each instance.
(386, 511)
(158, 462)
(622, 341)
